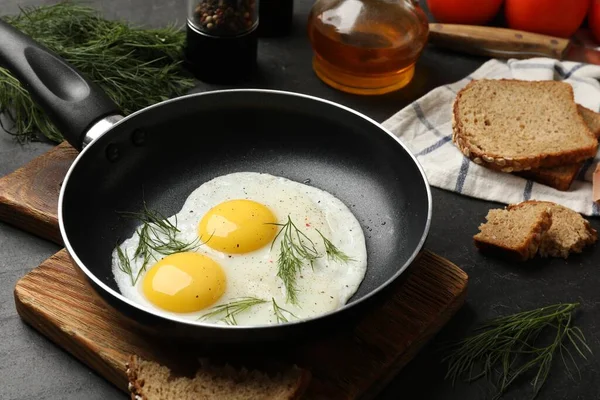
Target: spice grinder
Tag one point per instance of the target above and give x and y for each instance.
(222, 39)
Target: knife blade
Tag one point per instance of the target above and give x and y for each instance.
(508, 43)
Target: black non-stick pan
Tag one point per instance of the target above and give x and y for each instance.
(163, 152)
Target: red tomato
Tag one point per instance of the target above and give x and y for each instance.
(470, 12)
(594, 19)
(559, 18)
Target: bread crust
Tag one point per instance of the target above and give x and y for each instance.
(525, 252)
(591, 118)
(502, 163)
(136, 385)
(560, 180)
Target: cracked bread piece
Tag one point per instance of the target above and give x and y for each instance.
(514, 233)
(512, 125)
(149, 380)
(569, 233)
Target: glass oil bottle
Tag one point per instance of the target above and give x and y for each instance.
(367, 47)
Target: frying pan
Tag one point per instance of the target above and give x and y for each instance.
(162, 153)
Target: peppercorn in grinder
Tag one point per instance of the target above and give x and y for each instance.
(222, 39)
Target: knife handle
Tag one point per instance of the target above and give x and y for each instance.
(496, 42)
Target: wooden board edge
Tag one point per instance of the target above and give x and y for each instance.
(461, 279)
(37, 223)
(87, 357)
(415, 347)
(38, 218)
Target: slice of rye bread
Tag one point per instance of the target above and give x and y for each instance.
(149, 380)
(512, 125)
(559, 178)
(513, 233)
(591, 119)
(569, 233)
(562, 177)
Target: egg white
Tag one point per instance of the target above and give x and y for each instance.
(324, 289)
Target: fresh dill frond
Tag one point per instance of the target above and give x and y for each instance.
(142, 249)
(279, 312)
(157, 235)
(295, 249)
(288, 266)
(333, 253)
(169, 245)
(125, 264)
(227, 312)
(136, 67)
(154, 220)
(509, 347)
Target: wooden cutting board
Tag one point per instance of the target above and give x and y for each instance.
(29, 196)
(357, 364)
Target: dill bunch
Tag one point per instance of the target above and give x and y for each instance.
(512, 347)
(135, 67)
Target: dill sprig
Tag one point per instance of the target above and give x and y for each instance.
(125, 265)
(509, 347)
(157, 235)
(295, 249)
(333, 253)
(136, 67)
(279, 312)
(227, 312)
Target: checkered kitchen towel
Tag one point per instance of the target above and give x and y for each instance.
(425, 127)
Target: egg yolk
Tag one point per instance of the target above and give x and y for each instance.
(238, 226)
(184, 282)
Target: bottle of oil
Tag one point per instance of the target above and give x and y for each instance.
(367, 46)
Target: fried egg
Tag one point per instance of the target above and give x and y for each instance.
(237, 221)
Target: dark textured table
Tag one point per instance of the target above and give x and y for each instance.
(34, 368)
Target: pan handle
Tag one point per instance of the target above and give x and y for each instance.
(73, 103)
